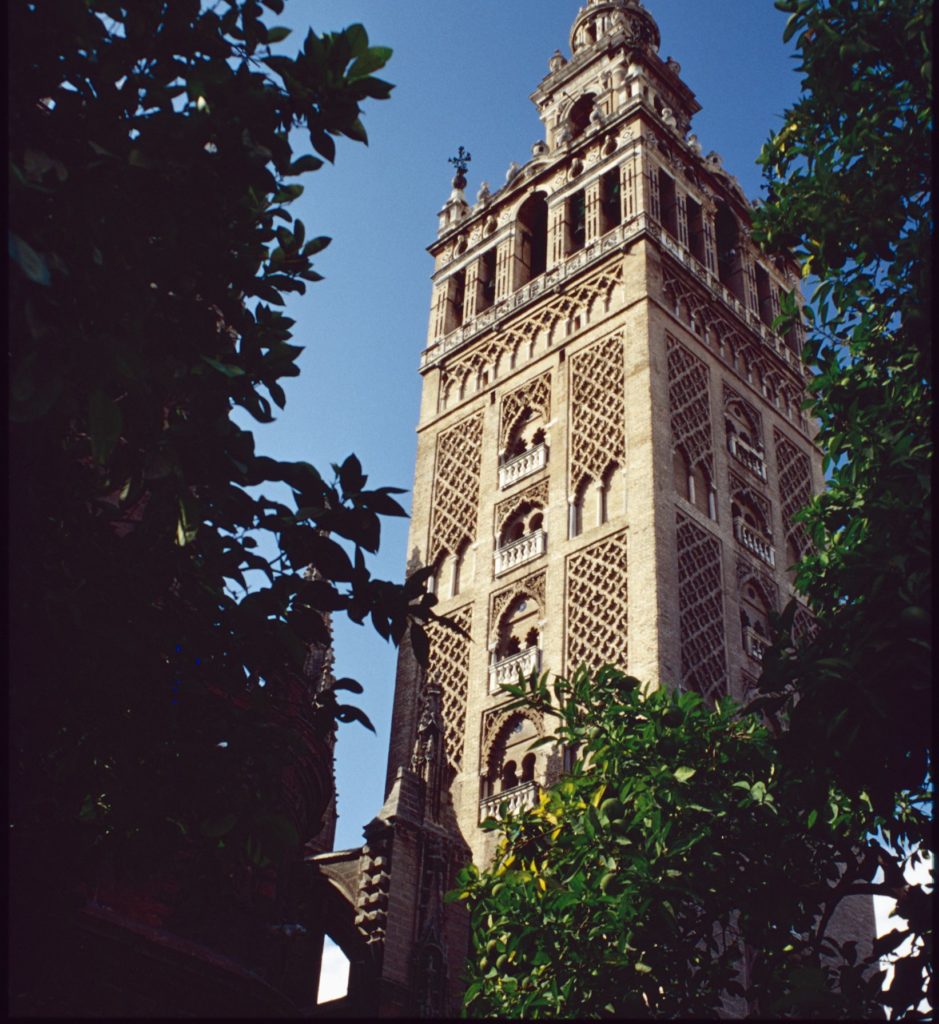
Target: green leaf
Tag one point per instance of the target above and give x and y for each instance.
(683, 773)
(277, 34)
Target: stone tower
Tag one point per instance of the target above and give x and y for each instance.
(611, 449)
(611, 446)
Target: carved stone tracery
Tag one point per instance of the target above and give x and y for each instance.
(456, 488)
(700, 610)
(536, 496)
(689, 407)
(597, 619)
(448, 668)
(532, 586)
(535, 395)
(597, 413)
(795, 490)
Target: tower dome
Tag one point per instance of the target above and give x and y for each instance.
(601, 18)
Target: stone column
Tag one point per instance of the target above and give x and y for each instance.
(557, 233)
(505, 267)
(592, 212)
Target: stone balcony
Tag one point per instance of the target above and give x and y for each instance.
(521, 466)
(518, 799)
(754, 542)
(746, 454)
(518, 552)
(754, 643)
(507, 670)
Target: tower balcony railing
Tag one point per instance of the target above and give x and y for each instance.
(518, 798)
(751, 457)
(755, 542)
(507, 670)
(754, 643)
(520, 551)
(521, 466)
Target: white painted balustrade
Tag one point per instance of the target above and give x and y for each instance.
(523, 465)
(518, 799)
(751, 457)
(753, 541)
(520, 551)
(507, 670)
(754, 644)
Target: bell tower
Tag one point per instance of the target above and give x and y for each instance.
(611, 446)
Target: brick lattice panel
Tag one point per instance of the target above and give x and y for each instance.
(456, 489)
(448, 667)
(535, 395)
(596, 605)
(795, 489)
(598, 421)
(700, 610)
(689, 408)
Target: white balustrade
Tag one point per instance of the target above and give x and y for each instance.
(753, 541)
(507, 670)
(754, 644)
(521, 466)
(518, 799)
(520, 551)
(751, 457)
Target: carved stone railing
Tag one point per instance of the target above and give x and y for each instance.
(760, 546)
(533, 290)
(518, 799)
(751, 457)
(754, 644)
(507, 670)
(525, 549)
(521, 466)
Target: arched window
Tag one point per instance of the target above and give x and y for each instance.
(486, 280)
(531, 239)
(456, 300)
(754, 620)
(459, 568)
(729, 256)
(611, 210)
(681, 472)
(519, 628)
(577, 508)
(510, 762)
(612, 494)
(579, 117)
(576, 217)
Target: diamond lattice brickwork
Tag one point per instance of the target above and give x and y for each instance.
(689, 407)
(700, 610)
(448, 667)
(456, 486)
(795, 490)
(596, 605)
(597, 419)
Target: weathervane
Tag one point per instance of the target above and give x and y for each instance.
(460, 163)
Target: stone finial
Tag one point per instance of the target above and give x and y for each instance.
(673, 65)
(669, 118)
(483, 195)
(556, 61)
(513, 170)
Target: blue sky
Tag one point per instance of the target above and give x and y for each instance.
(463, 75)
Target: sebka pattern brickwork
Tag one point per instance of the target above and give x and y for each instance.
(597, 415)
(448, 667)
(700, 610)
(795, 490)
(456, 486)
(689, 407)
(596, 605)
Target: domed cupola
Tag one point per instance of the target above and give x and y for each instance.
(605, 18)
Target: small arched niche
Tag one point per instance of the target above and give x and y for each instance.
(531, 239)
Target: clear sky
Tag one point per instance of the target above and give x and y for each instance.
(463, 75)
